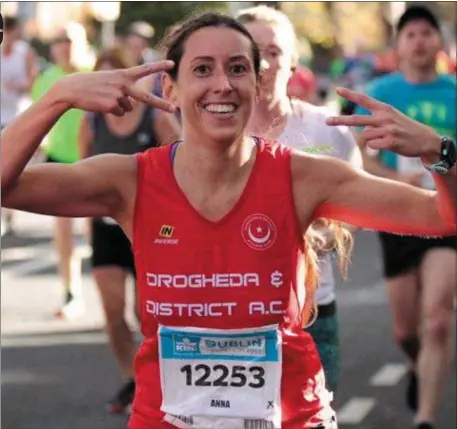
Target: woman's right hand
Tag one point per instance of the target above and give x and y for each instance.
(111, 91)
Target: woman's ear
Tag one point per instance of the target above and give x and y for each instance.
(169, 89)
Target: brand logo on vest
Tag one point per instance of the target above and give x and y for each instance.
(166, 231)
(258, 231)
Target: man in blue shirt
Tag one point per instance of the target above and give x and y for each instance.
(420, 273)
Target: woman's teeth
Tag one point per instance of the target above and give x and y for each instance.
(220, 108)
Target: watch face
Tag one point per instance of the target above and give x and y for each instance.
(449, 150)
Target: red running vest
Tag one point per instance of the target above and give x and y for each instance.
(243, 271)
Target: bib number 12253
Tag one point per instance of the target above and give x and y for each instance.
(223, 376)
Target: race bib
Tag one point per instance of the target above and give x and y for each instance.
(221, 379)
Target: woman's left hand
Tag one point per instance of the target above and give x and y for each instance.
(389, 129)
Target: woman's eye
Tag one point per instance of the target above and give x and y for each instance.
(202, 69)
(238, 69)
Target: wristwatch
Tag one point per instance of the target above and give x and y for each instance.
(448, 157)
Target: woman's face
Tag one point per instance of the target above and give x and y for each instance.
(277, 49)
(216, 86)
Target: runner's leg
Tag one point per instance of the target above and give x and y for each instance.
(111, 284)
(401, 257)
(403, 292)
(438, 274)
(111, 261)
(69, 268)
(325, 333)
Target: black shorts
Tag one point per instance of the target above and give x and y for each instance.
(404, 253)
(49, 158)
(110, 246)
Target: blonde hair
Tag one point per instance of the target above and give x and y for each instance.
(273, 17)
(314, 244)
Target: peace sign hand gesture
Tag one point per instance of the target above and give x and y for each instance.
(387, 128)
(112, 91)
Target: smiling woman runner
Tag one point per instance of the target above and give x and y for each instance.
(220, 256)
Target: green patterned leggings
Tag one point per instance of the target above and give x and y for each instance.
(326, 336)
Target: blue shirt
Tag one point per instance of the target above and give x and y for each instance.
(431, 103)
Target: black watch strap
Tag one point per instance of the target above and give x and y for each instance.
(448, 157)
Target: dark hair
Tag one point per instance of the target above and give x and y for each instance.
(10, 23)
(173, 44)
(417, 13)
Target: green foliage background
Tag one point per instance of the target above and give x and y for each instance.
(161, 15)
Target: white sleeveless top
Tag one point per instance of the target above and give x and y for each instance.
(13, 70)
(306, 129)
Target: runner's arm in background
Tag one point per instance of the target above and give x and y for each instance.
(33, 69)
(372, 164)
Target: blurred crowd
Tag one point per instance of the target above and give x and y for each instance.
(350, 69)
